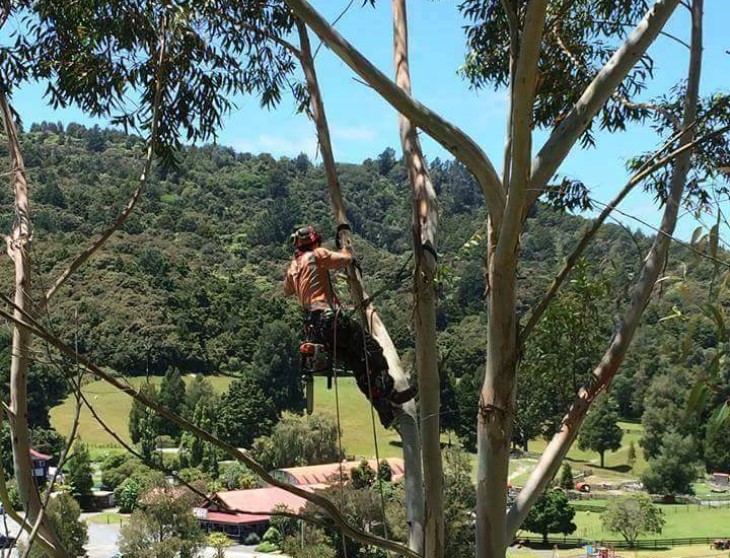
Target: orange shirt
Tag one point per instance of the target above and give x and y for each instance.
(308, 277)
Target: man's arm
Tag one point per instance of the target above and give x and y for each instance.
(288, 285)
(328, 259)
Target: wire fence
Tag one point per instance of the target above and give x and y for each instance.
(652, 544)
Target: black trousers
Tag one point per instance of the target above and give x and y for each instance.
(353, 348)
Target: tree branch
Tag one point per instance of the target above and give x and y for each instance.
(648, 168)
(144, 178)
(452, 138)
(558, 145)
(605, 371)
(523, 96)
(32, 326)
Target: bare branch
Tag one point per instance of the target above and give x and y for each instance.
(648, 168)
(32, 326)
(563, 138)
(463, 147)
(144, 178)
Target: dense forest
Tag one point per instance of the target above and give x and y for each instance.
(193, 281)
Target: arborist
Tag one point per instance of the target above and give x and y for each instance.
(308, 277)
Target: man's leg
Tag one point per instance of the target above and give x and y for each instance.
(362, 354)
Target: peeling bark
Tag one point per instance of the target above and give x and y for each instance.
(425, 223)
(604, 373)
(19, 247)
(407, 423)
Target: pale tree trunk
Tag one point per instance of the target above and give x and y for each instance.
(425, 223)
(615, 353)
(407, 422)
(497, 397)
(19, 246)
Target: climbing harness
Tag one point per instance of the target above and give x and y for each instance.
(314, 356)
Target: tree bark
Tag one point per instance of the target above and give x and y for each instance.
(497, 398)
(460, 145)
(563, 138)
(19, 247)
(619, 345)
(425, 224)
(407, 422)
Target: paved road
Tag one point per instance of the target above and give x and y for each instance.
(103, 541)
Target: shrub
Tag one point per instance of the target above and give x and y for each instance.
(266, 547)
(252, 539)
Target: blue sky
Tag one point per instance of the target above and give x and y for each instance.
(363, 125)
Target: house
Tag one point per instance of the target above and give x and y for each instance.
(330, 472)
(237, 513)
(40, 463)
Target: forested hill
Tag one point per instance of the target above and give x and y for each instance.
(193, 278)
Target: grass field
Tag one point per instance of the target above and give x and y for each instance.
(357, 429)
(681, 521)
(114, 406)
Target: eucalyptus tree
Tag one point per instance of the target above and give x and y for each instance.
(167, 70)
(571, 67)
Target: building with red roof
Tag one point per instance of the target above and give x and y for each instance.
(241, 512)
(330, 472)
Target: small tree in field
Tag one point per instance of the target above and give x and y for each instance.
(675, 468)
(601, 431)
(632, 516)
(566, 477)
(64, 513)
(552, 513)
(79, 475)
(219, 542)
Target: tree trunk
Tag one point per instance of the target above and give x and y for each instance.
(496, 407)
(425, 223)
(19, 246)
(558, 448)
(407, 422)
(602, 453)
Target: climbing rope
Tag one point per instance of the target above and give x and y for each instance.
(339, 428)
(366, 331)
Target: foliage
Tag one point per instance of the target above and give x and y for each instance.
(162, 526)
(79, 474)
(252, 539)
(195, 452)
(552, 513)
(632, 516)
(172, 396)
(631, 455)
(141, 418)
(118, 467)
(362, 476)
(127, 494)
(600, 431)
(316, 544)
(237, 476)
(579, 39)
(663, 410)
(675, 468)
(717, 449)
(561, 352)
(48, 441)
(219, 542)
(298, 440)
(459, 504)
(276, 365)
(566, 477)
(245, 412)
(64, 514)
